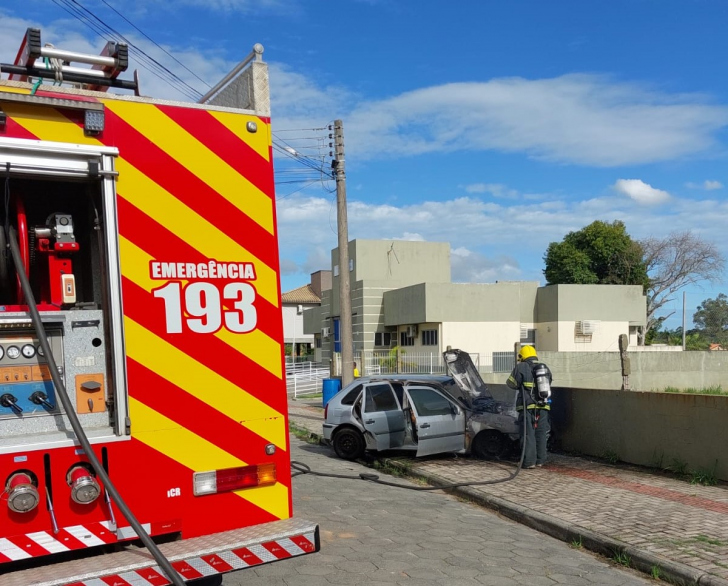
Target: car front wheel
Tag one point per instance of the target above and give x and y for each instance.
(489, 445)
(349, 444)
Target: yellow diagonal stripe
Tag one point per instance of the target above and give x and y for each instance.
(47, 123)
(256, 345)
(187, 224)
(198, 380)
(153, 200)
(199, 455)
(191, 153)
(260, 142)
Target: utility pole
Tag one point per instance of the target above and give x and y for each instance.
(683, 328)
(345, 334)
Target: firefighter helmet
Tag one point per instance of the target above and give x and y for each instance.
(527, 352)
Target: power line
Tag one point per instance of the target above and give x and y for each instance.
(102, 29)
(155, 43)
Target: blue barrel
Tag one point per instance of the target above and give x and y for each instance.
(331, 387)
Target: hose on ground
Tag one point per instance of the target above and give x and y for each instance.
(163, 562)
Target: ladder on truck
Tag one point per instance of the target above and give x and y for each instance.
(47, 62)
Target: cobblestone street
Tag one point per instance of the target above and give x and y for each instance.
(375, 535)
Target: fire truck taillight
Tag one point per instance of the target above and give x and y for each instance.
(216, 481)
(22, 493)
(84, 488)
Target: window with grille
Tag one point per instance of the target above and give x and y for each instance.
(405, 340)
(429, 337)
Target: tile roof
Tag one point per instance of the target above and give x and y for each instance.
(303, 294)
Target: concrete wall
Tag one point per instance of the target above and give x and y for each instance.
(293, 327)
(480, 338)
(650, 429)
(591, 302)
(461, 302)
(650, 370)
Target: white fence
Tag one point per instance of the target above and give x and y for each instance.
(305, 378)
(403, 362)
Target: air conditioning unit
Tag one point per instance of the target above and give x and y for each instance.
(325, 332)
(586, 327)
(411, 331)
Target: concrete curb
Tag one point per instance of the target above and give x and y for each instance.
(670, 571)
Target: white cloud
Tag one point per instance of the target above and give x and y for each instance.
(486, 229)
(579, 119)
(583, 119)
(640, 191)
(494, 189)
(707, 185)
(468, 266)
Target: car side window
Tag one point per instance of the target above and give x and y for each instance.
(380, 398)
(351, 396)
(429, 402)
(399, 391)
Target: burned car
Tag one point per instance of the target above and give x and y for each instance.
(427, 414)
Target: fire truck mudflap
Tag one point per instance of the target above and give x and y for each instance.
(145, 230)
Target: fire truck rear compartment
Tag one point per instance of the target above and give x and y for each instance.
(76, 331)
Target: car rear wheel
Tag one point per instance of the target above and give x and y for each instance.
(349, 444)
(490, 444)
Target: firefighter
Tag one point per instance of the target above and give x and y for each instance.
(534, 378)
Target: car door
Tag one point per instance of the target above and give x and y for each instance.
(440, 423)
(382, 415)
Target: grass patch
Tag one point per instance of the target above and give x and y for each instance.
(388, 468)
(710, 541)
(576, 543)
(714, 390)
(622, 558)
(302, 433)
(704, 477)
(610, 456)
(677, 466)
(655, 572)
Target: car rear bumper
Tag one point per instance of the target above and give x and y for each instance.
(328, 431)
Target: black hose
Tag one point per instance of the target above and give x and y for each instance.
(302, 468)
(163, 562)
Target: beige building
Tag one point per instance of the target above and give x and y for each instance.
(297, 301)
(401, 295)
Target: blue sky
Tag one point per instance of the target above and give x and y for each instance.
(495, 126)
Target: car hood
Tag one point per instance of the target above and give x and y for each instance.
(466, 376)
(474, 391)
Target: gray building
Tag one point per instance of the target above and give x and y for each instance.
(401, 295)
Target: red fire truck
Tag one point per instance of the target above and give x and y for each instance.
(141, 362)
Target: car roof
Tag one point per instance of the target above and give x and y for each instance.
(424, 378)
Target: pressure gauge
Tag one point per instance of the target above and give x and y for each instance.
(13, 352)
(2, 352)
(40, 351)
(28, 351)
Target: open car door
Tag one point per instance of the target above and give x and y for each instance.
(382, 415)
(439, 422)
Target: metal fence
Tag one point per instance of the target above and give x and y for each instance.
(403, 362)
(305, 378)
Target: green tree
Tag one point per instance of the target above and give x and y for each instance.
(600, 253)
(711, 319)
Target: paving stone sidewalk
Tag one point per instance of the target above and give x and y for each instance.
(655, 519)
